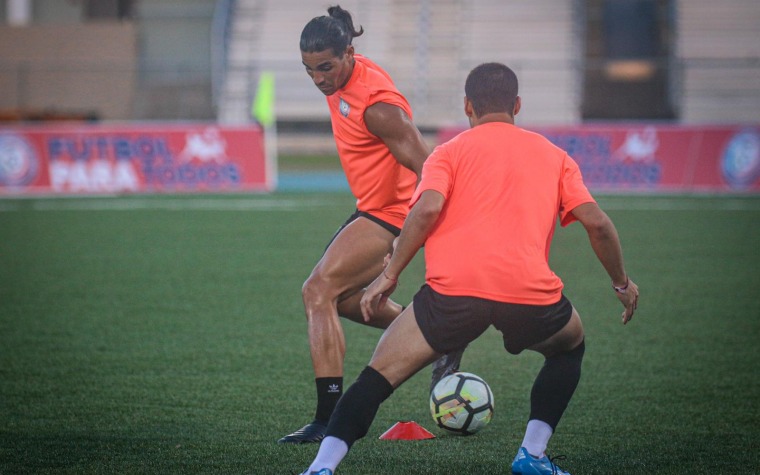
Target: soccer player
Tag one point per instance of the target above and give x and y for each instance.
(486, 210)
(382, 152)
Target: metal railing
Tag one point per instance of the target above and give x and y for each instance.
(221, 26)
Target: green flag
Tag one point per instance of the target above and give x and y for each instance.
(263, 104)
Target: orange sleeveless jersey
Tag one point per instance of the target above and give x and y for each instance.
(505, 188)
(381, 185)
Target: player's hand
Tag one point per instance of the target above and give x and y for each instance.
(390, 254)
(630, 300)
(376, 295)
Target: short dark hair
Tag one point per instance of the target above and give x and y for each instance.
(334, 31)
(491, 87)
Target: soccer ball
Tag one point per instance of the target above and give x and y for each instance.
(462, 403)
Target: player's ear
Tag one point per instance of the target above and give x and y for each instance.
(518, 104)
(468, 110)
(349, 52)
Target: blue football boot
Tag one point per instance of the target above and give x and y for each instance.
(526, 464)
(324, 471)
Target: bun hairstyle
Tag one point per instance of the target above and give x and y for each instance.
(334, 31)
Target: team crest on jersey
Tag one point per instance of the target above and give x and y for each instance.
(344, 107)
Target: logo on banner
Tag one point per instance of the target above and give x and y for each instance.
(206, 146)
(631, 164)
(639, 146)
(18, 161)
(740, 163)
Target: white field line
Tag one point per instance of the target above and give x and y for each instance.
(168, 204)
(611, 203)
(679, 204)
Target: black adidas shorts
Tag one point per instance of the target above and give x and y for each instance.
(449, 323)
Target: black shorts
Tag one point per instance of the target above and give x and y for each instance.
(450, 323)
(357, 214)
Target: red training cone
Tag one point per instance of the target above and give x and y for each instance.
(406, 430)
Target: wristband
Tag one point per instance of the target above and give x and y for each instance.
(621, 290)
(395, 281)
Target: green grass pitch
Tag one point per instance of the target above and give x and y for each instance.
(166, 335)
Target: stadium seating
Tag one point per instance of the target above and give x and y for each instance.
(428, 47)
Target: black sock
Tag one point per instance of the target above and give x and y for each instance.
(329, 391)
(555, 385)
(357, 408)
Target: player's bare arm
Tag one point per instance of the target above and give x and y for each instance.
(417, 227)
(606, 244)
(394, 127)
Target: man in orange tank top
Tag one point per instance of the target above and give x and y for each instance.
(486, 209)
(381, 152)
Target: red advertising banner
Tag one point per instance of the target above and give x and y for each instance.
(95, 159)
(660, 158)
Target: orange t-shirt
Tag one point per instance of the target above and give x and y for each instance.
(381, 185)
(505, 187)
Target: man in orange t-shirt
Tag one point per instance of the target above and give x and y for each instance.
(381, 184)
(382, 153)
(510, 186)
(486, 209)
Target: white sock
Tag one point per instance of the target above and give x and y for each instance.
(537, 436)
(331, 452)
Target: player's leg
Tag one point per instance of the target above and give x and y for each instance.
(445, 365)
(432, 325)
(352, 260)
(442, 367)
(552, 390)
(401, 352)
(348, 307)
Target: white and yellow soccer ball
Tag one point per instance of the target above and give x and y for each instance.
(462, 403)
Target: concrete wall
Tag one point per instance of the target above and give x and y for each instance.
(69, 68)
(73, 60)
(718, 48)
